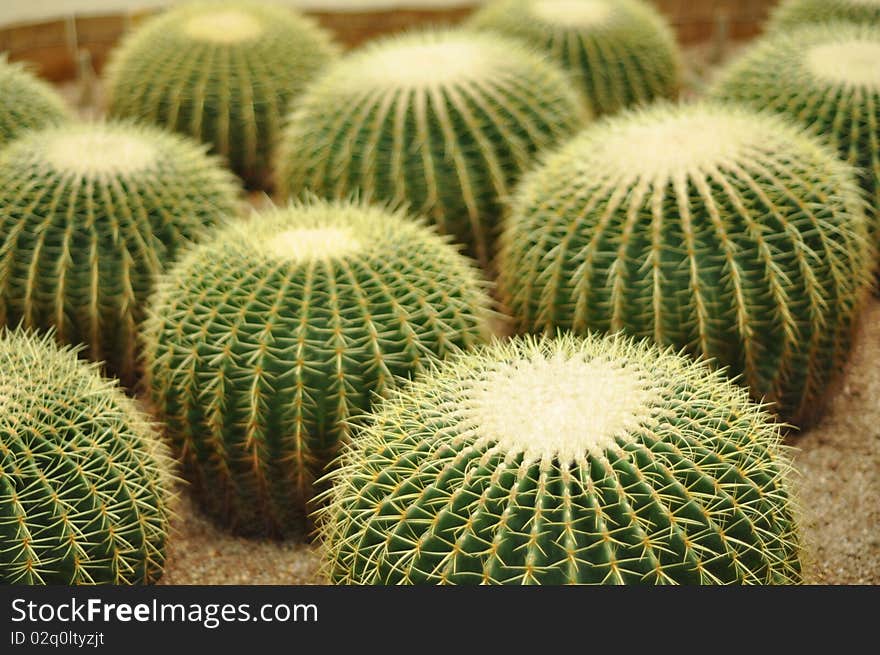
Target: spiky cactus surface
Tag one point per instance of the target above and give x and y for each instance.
(442, 121)
(223, 71)
(717, 229)
(85, 482)
(90, 214)
(827, 77)
(620, 52)
(796, 12)
(559, 461)
(263, 343)
(26, 103)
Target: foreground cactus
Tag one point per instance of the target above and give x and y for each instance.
(26, 103)
(559, 461)
(729, 233)
(620, 52)
(223, 71)
(442, 121)
(89, 216)
(797, 12)
(85, 482)
(262, 344)
(826, 77)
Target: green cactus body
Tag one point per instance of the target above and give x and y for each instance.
(85, 482)
(441, 121)
(26, 102)
(729, 233)
(264, 343)
(564, 461)
(90, 214)
(620, 52)
(221, 71)
(796, 12)
(826, 77)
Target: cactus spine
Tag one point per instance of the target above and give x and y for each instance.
(89, 215)
(620, 52)
(264, 343)
(85, 483)
(826, 77)
(441, 121)
(26, 103)
(727, 232)
(569, 460)
(222, 71)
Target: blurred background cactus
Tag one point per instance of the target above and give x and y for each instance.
(90, 214)
(264, 343)
(26, 102)
(443, 122)
(619, 52)
(85, 482)
(564, 461)
(795, 12)
(223, 71)
(826, 77)
(730, 233)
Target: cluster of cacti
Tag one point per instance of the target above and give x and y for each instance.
(90, 214)
(223, 71)
(26, 102)
(717, 229)
(441, 121)
(826, 77)
(796, 12)
(620, 52)
(264, 344)
(85, 481)
(559, 461)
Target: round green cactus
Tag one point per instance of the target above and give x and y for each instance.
(90, 214)
(263, 344)
(620, 52)
(85, 482)
(564, 461)
(717, 229)
(26, 102)
(826, 77)
(795, 12)
(223, 71)
(441, 121)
